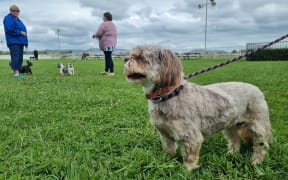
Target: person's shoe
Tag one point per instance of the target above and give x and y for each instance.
(104, 73)
(19, 75)
(111, 74)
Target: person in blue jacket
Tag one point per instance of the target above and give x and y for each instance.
(16, 38)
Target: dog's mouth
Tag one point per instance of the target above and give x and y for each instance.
(136, 76)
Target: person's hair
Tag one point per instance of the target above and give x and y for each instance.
(108, 16)
(13, 6)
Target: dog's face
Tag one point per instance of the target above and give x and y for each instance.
(148, 65)
(70, 66)
(29, 63)
(60, 65)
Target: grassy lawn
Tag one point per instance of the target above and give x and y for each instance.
(92, 126)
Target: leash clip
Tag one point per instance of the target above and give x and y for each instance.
(156, 99)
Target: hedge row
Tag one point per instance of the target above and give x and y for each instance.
(269, 55)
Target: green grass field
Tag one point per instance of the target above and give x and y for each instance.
(92, 126)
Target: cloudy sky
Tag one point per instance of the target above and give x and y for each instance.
(175, 24)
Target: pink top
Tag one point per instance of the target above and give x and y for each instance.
(107, 35)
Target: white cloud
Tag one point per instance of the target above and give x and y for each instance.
(172, 24)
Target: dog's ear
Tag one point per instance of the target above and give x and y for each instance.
(171, 69)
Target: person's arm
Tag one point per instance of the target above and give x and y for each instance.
(100, 31)
(10, 27)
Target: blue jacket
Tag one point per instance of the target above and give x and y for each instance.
(13, 26)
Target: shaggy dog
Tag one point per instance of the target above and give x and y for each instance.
(66, 70)
(185, 113)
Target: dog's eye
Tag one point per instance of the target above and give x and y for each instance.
(126, 59)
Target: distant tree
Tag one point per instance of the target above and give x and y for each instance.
(243, 51)
(4, 52)
(234, 51)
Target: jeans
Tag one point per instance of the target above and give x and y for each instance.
(16, 53)
(109, 65)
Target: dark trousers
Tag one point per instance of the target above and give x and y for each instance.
(16, 53)
(109, 65)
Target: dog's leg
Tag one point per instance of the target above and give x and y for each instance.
(260, 143)
(169, 145)
(259, 128)
(233, 140)
(191, 149)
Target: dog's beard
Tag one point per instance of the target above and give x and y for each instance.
(136, 74)
(136, 77)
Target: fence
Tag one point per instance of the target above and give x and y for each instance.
(278, 51)
(279, 45)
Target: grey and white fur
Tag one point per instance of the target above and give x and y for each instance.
(66, 70)
(237, 108)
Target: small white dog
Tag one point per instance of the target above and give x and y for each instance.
(69, 69)
(185, 113)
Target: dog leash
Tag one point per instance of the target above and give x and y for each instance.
(235, 59)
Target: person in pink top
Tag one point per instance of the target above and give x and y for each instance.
(107, 35)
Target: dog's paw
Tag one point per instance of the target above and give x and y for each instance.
(171, 151)
(233, 149)
(257, 159)
(191, 166)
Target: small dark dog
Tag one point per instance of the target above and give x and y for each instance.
(26, 69)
